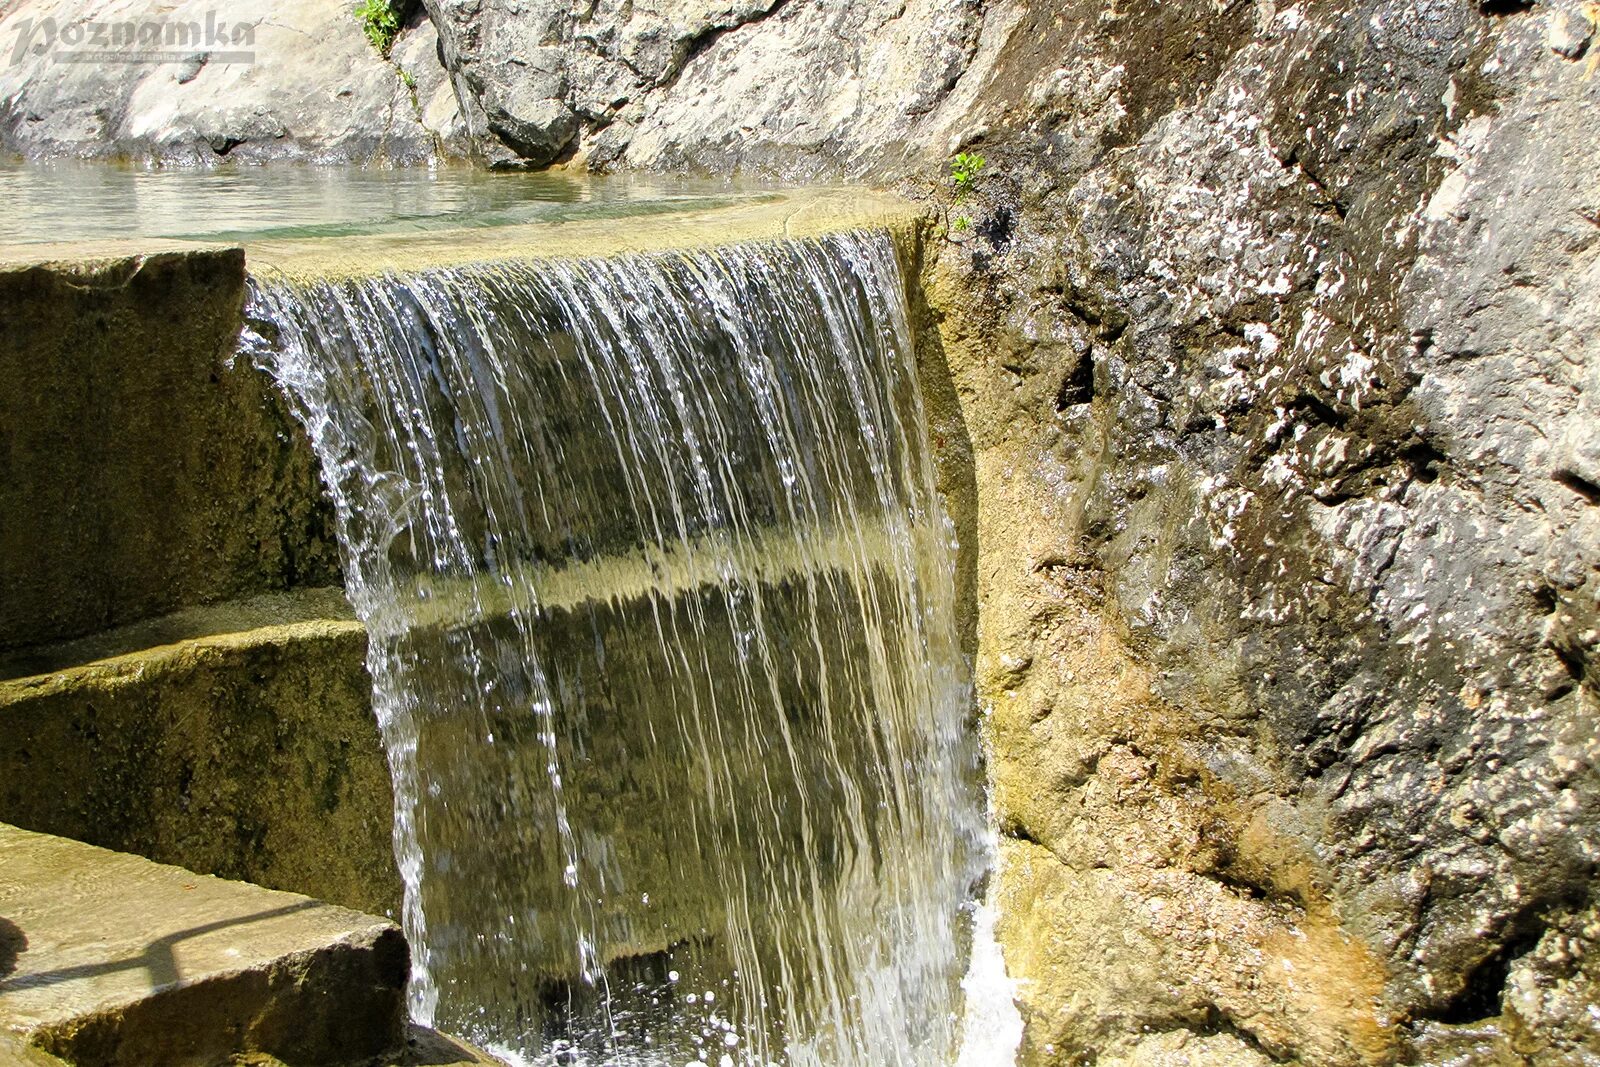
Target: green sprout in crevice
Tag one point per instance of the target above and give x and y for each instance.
(409, 80)
(380, 21)
(964, 170)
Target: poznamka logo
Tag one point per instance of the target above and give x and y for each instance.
(149, 40)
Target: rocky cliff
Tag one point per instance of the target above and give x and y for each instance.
(1274, 333)
(1270, 334)
(199, 82)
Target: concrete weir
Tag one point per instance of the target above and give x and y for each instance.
(181, 677)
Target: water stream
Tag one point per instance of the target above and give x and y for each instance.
(664, 647)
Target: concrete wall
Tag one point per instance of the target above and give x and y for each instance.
(141, 469)
(249, 755)
(156, 496)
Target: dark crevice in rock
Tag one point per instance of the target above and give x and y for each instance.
(1579, 484)
(696, 46)
(1498, 8)
(1218, 1022)
(1481, 993)
(1017, 831)
(998, 228)
(1323, 197)
(1237, 884)
(1424, 460)
(1319, 409)
(1078, 386)
(1572, 661)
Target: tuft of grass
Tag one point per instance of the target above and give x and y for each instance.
(964, 170)
(380, 21)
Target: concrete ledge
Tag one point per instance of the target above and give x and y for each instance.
(113, 960)
(812, 213)
(237, 740)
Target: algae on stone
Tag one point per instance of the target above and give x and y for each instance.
(1279, 399)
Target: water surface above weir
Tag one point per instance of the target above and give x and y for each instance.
(79, 201)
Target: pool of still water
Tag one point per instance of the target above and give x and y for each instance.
(82, 201)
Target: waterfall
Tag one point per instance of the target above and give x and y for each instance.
(663, 644)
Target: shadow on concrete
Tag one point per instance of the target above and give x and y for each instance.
(13, 943)
(157, 959)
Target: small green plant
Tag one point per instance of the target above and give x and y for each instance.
(380, 22)
(964, 170)
(961, 224)
(409, 79)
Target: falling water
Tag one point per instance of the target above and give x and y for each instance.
(663, 646)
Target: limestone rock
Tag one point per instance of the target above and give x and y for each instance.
(707, 86)
(1280, 386)
(236, 740)
(1272, 341)
(250, 81)
(417, 53)
(118, 960)
(145, 468)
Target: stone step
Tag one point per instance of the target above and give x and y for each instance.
(110, 960)
(236, 739)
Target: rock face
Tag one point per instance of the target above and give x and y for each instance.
(197, 82)
(798, 88)
(1279, 376)
(143, 468)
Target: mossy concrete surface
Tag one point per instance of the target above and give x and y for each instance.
(244, 748)
(142, 469)
(109, 960)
